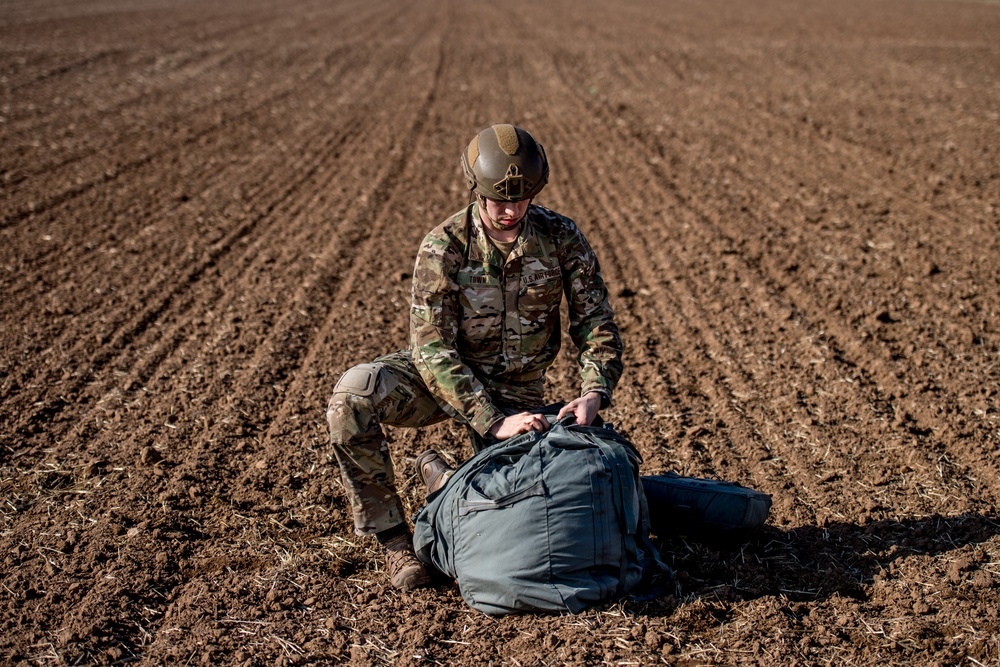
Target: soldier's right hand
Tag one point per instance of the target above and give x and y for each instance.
(518, 424)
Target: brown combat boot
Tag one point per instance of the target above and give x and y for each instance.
(433, 470)
(404, 570)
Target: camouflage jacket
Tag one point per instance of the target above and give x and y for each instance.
(476, 319)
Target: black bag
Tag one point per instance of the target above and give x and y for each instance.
(704, 510)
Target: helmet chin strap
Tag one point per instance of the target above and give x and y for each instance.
(481, 200)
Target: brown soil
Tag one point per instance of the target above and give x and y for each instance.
(210, 211)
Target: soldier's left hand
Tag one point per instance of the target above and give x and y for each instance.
(584, 408)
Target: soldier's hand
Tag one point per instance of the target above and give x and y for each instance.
(584, 408)
(518, 424)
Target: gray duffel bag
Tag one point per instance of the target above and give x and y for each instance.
(543, 522)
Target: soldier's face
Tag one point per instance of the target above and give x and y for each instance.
(504, 215)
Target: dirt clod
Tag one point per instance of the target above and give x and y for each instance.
(150, 456)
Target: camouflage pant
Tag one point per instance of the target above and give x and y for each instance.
(390, 391)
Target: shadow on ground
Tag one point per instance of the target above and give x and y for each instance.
(814, 563)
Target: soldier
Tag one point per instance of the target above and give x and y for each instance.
(484, 323)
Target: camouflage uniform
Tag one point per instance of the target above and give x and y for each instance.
(483, 331)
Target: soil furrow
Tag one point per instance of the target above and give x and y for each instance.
(774, 265)
(405, 163)
(720, 393)
(725, 388)
(274, 353)
(716, 349)
(173, 286)
(735, 132)
(177, 295)
(152, 214)
(189, 137)
(607, 180)
(207, 77)
(887, 394)
(198, 74)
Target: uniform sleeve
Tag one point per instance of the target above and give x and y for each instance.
(434, 324)
(592, 325)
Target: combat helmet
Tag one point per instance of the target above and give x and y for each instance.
(506, 163)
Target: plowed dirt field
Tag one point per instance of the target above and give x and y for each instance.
(210, 210)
